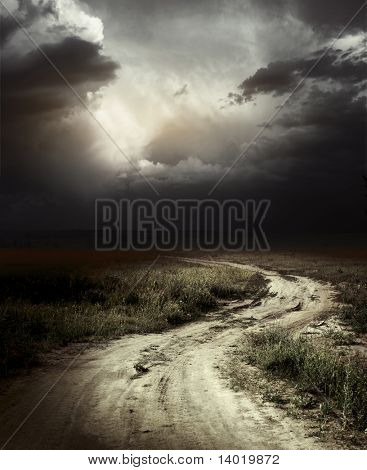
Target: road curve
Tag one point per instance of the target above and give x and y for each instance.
(181, 402)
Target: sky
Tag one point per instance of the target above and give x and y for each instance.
(162, 96)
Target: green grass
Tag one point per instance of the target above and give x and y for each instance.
(43, 309)
(338, 380)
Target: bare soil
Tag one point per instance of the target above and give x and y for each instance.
(164, 391)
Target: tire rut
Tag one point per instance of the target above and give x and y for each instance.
(181, 401)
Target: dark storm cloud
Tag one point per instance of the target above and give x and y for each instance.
(26, 13)
(324, 133)
(41, 149)
(281, 77)
(8, 26)
(329, 112)
(311, 161)
(33, 87)
(326, 16)
(149, 7)
(310, 166)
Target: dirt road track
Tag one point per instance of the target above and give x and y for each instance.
(180, 403)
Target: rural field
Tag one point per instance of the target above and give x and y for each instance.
(183, 220)
(234, 351)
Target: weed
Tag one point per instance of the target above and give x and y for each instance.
(340, 381)
(356, 317)
(339, 337)
(41, 310)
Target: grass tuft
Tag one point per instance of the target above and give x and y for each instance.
(356, 317)
(41, 310)
(340, 381)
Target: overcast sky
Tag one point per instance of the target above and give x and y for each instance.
(179, 88)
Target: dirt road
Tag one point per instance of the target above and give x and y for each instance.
(181, 402)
